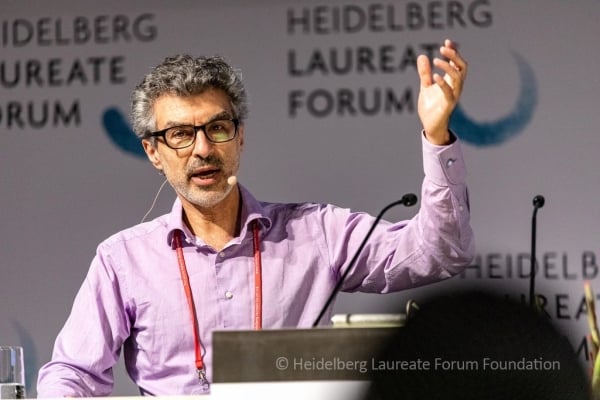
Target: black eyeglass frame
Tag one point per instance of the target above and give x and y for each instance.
(162, 133)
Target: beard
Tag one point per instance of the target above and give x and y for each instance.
(202, 196)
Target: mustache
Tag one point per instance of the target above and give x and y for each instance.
(209, 161)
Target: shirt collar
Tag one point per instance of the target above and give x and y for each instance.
(252, 209)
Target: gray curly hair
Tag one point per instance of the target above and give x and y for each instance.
(185, 75)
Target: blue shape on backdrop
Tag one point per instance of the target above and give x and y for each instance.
(120, 133)
(497, 132)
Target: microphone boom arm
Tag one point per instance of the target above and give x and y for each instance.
(407, 200)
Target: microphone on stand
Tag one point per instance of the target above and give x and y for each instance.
(407, 200)
(538, 202)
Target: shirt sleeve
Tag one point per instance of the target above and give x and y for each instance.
(435, 244)
(89, 344)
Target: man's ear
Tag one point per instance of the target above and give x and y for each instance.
(152, 153)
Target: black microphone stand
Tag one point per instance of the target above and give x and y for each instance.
(538, 202)
(407, 200)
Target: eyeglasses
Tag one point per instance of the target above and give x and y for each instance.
(182, 136)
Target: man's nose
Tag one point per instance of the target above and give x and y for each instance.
(202, 146)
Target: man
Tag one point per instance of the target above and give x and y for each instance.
(223, 260)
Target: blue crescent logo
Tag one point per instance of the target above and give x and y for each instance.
(120, 133)
(497, 132)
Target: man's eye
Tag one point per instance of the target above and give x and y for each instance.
(179, 133)
(216, 127)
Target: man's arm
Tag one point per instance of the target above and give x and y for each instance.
(89, 343)
(435, 244)
(438, 242)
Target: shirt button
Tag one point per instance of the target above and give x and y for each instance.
(222, 254)
(449, 162)
(228, 295)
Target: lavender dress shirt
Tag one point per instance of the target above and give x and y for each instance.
(132, 298)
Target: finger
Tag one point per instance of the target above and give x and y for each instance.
(453, 76)
(424, 70)
(445, 87)
(451, 44)
(454, 58)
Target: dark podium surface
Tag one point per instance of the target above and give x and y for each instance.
(297, 354)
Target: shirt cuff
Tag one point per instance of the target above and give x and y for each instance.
(444, 165)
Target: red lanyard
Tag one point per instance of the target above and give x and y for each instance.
(190, 299)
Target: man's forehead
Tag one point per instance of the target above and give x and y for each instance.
(209, 93)
(208, 98)
(172, 108)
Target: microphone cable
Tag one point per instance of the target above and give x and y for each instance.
(154, 201)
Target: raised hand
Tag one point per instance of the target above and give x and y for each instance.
(439, 95)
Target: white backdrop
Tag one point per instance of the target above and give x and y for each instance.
(320, 129)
